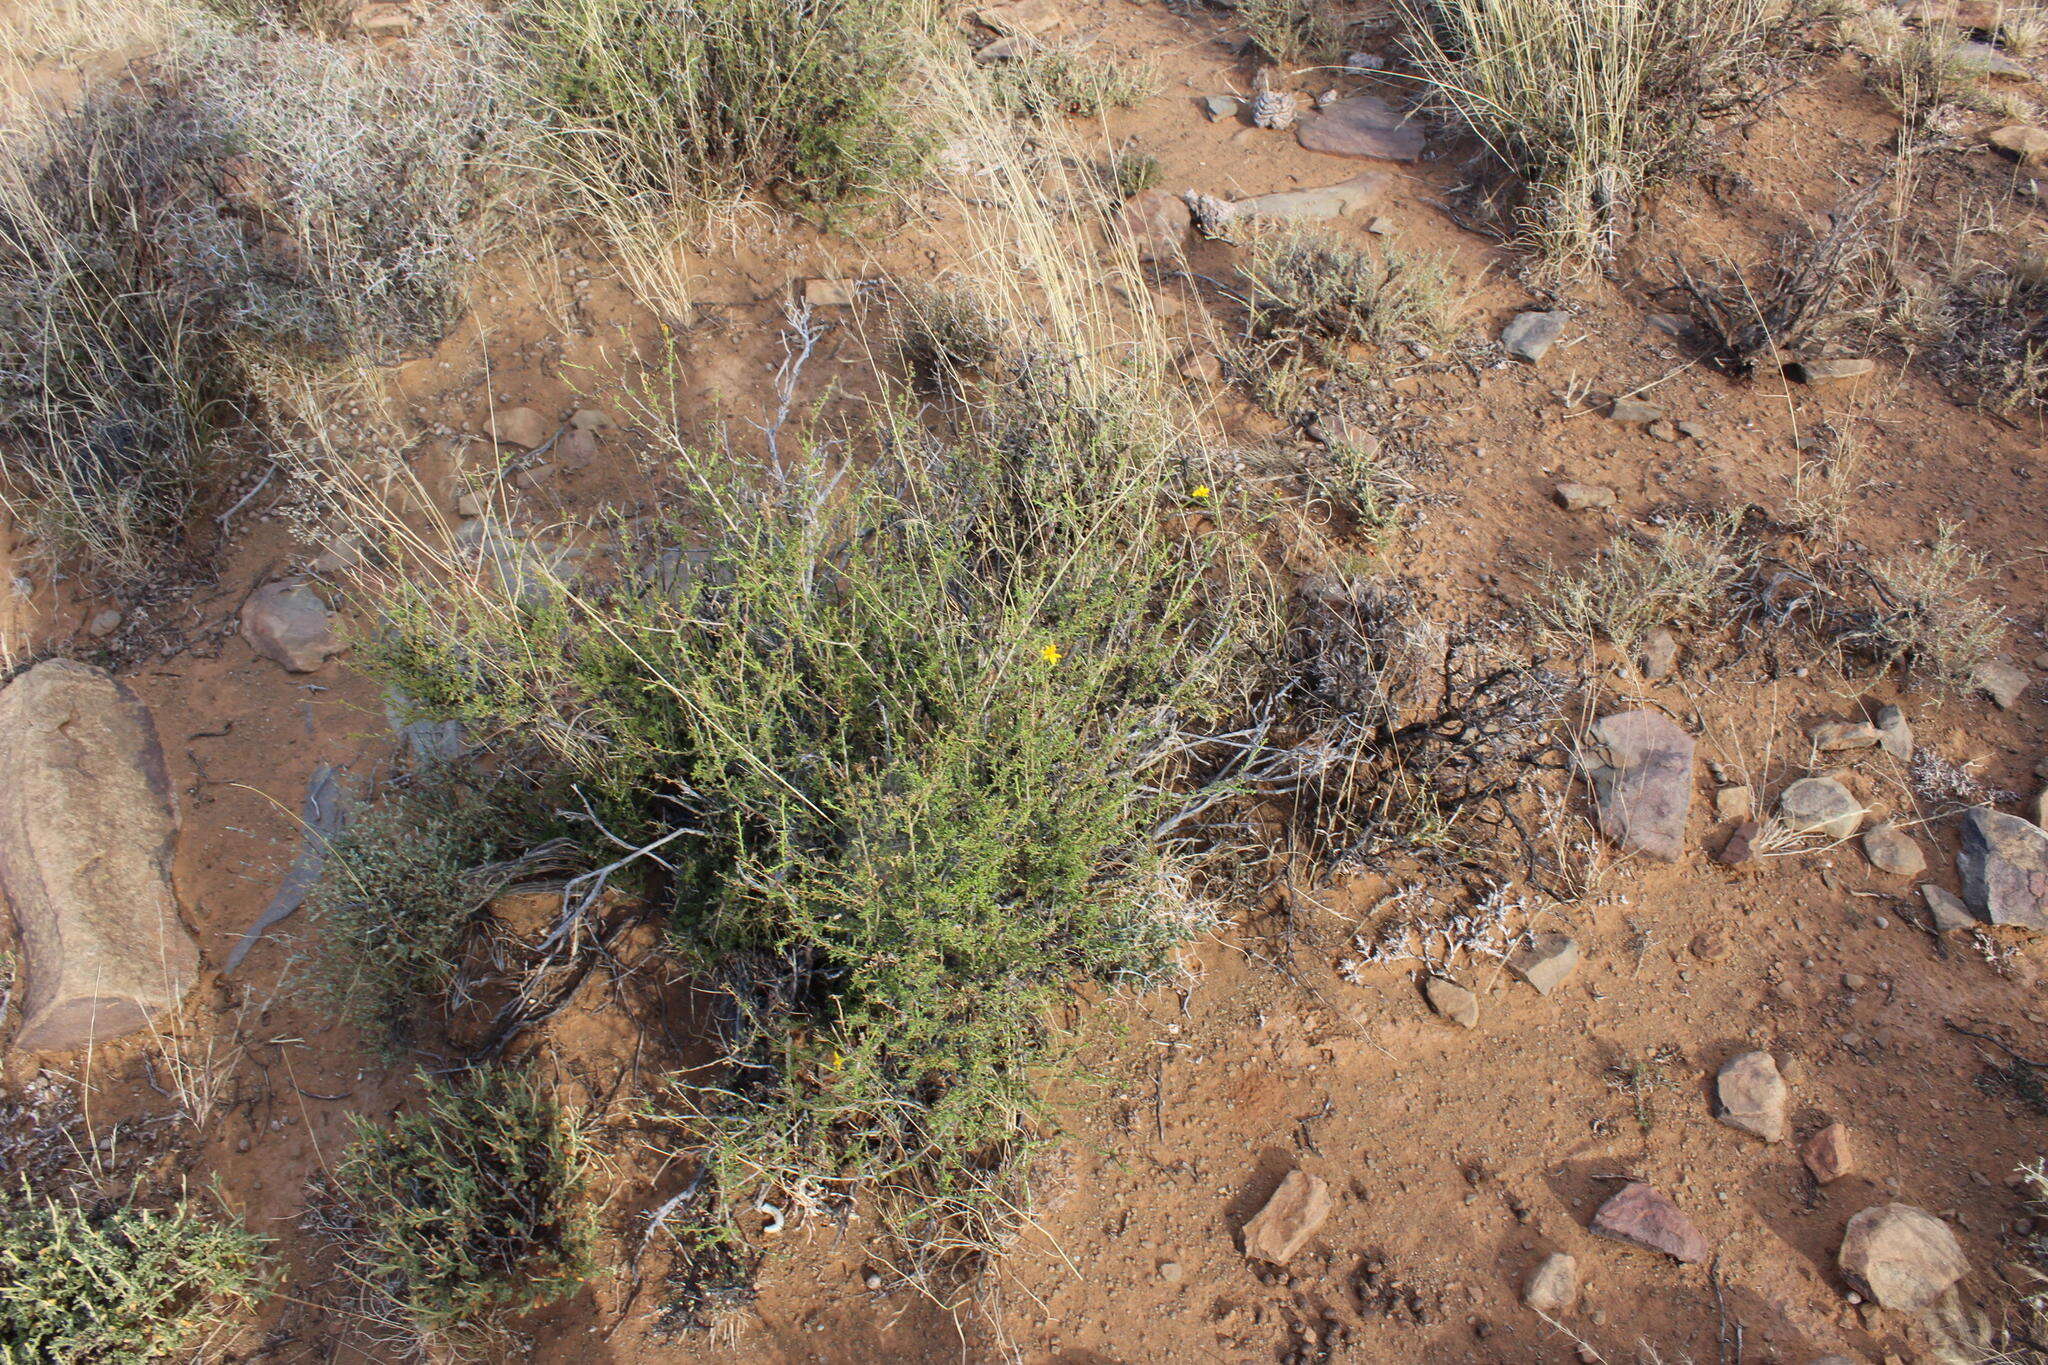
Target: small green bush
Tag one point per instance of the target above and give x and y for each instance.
(1318, 292)
(653, 104)
(922, 710)
(1062, 80)
(473, 1203)
(404, 883)
(118, 1284)
(1929, 617)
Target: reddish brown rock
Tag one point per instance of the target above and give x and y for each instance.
(289, 623)
(1157, 224)
(1828, 1154)
(1641, 769)
(1279, 1230)
(1753, 1095)
(1364, 125)
(1641, 1215)
(86, 826)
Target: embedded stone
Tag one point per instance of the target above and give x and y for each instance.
(1280, 1229)
(1553, 1286)
(1828, 1154)
(289, 623)
(1366, 126)
(1820, 805)
(1906, 1257)
(1642, 781)
(2004, 864)
(1753, 1095)
(1892, 850)
(1641, 1215)
(1545, 961)
(1452, 1001)
(1531, 335)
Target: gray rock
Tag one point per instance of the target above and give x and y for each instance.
(1838, 735)
(1828, 371)
(87, 823)
(104, 623)
(1753, 1095)
(289, 623)
(1220, 107)
(2002, 680)
(1315, 205)
(590, 419)
(1584, 497)
(1894, 735)
(1452, 1001)
(1640, 1214)
(1364, 125)
(1660, 654)
(1947, 909)
(1984, 60)
(2004, 864)
(1641, 772)
(1891, 850)
(1280, 1229)
(1634, 410)
(1820, 805)
(1531, 335)
(1553, 1286)
(1906, 1257)
(1545, 961)
(528, 572)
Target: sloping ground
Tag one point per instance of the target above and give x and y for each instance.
(1456, 1159)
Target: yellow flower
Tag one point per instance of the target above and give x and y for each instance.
(1051, 654)
(838, 1059)
(1201, 492)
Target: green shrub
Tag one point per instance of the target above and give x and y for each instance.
(404, 884)
(657, 103)
(471, 1204)
(923, 710)
(118, 1284)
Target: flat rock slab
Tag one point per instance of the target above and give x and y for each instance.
(1906, 1257)
(1531, 335)
(2004, 863)
(1820, 805)
(1315, 205)
(1947, 909)
(1364, 125)
(2002, 680)
(1641, 1215)
(1753, 1095)
(1545, 961)
(1280, 1229)
(1892, 850)
(1452, 1001)
(1642, 781)
(86, 827)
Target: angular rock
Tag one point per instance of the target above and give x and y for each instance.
(590, 419)
(1828, 371)
(2004, 864)
(1838, 735)
(1452, 1001)
(2002, 680)
(1545, 961)
(823, 293)
(1947, 910)
(1640, 1214)
(1820, 805)
(1280, 1229)
(518, 427)
(289, 623)
(1026, 18)
(2021, 142)
(1660, 654)
(1753, 1095)
(1891, 850)
(1828, 1154)
(86, 828)
(1894, 735)
(1734, 803)
(1316, 205)
(1220, 107)
(1157, 224)
(1634, 410)
(1642, 783)
(1531, 335)
(1906, 1257)
(1584, 497)
(1741, 845)
(1364, 125)
(1553, 1286)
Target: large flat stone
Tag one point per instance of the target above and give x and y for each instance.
(1364, 125)
(1642, 781)
(1906, 1257)
(86, 827)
